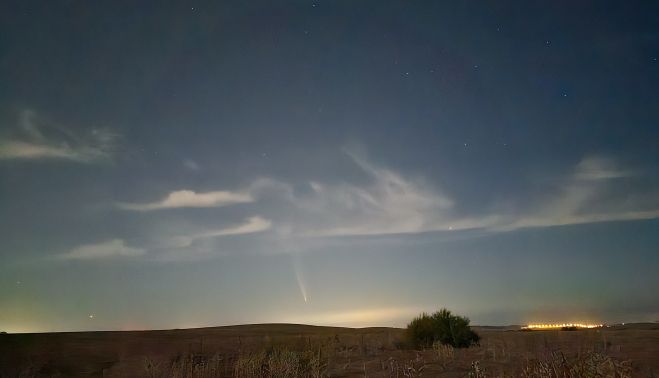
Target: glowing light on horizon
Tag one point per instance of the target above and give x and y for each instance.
(563, 325)
(367, 317)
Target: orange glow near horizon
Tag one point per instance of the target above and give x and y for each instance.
(558, 326)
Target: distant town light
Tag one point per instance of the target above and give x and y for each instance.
(564, 325)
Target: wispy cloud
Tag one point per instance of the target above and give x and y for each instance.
(191, 165)
(103, 250)
(250, 226)
(189, 198)
(390, 203)
(32, 141)
(386, 202)
(574, 201)
(172, 248)
(599, 168)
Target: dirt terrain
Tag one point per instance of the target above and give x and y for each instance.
(338, 352)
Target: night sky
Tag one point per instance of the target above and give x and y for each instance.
(185, 164)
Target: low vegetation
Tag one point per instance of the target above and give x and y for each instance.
(441, 327)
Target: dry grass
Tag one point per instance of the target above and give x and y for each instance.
(588, 365)
(281, 363)
(444, 352)
(184, 367)
(300, 351)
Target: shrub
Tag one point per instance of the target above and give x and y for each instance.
(442, 327)
(420, 331)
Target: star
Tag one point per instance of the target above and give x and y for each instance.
(91, 316)
(547, 42)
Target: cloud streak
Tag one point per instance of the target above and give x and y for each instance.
(384, 203)
(251, 225)
(31, 143)
(176, 248)
(104, 250)
(573, 202)
(189, 198)
(393, 204)
(388, 204)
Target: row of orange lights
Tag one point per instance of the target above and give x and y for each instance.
(555, 326)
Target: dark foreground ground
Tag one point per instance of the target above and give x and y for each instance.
(290, 350)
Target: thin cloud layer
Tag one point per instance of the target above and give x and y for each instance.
(103, 250)
(599, 168)
(574, 201)
(33, 143)
(386, 203)
(191, 165)
(250, 226)
(393, 204)
(189, 198)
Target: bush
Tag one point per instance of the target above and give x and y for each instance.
(442, 327)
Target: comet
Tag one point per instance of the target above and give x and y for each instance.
(300, 279)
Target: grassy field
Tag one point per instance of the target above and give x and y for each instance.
(289, 350)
